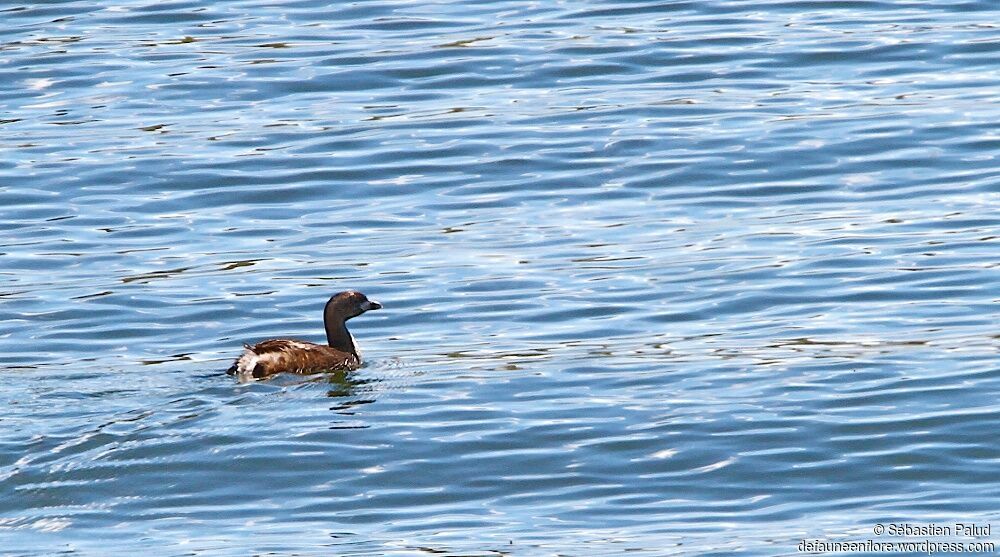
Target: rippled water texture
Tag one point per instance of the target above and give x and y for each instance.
(668, 278)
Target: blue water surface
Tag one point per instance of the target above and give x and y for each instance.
(663, 278)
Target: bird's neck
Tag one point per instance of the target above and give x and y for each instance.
(337, 336)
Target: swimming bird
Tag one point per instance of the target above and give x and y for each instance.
(297, 356)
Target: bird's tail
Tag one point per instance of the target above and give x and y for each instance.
(236, 365)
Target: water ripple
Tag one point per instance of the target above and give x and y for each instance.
(660, 278)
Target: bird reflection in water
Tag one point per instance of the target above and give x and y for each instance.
(351, 391)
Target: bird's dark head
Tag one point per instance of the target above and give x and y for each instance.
(348, 304)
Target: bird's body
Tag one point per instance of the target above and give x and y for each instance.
(292, 356)
(297, 356)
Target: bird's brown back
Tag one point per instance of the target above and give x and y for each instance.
(294, 356)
